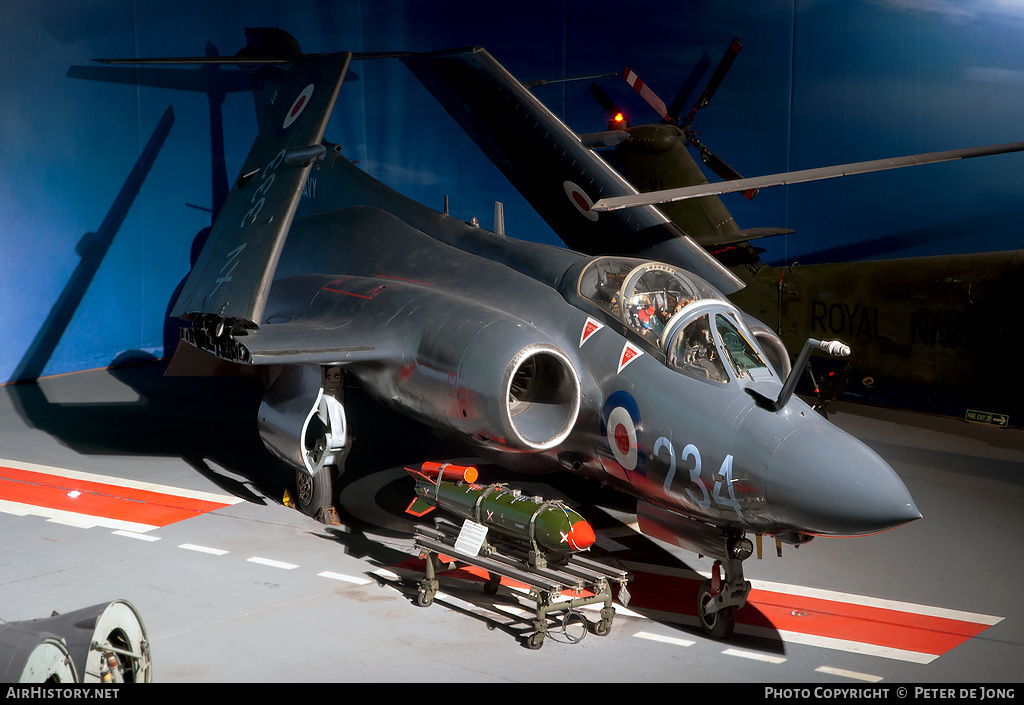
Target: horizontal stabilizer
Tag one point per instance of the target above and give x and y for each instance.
(232, 276)
(599, 140)
(742, 236)
(758, 233)
(199, 60)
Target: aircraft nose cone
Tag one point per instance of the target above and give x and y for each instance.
(825, 482)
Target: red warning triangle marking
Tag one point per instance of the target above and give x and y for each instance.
(630, 352)
(589, 328)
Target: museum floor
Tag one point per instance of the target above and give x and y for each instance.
(234, 586)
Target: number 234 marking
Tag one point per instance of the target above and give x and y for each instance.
(724, 472)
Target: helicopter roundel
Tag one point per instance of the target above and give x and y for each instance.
(298, 106)
(580, 200)
(623, 431)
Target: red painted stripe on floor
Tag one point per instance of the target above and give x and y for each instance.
(99, 499)
(834, 619)
(868, 625)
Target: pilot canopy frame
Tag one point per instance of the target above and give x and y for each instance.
(681, 315)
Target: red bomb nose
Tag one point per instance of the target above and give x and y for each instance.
(581, 536)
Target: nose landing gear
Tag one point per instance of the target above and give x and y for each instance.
(717, 601)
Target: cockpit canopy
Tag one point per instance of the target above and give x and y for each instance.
(678, 313)
(643, 295)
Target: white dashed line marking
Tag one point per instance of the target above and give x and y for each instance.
(754, 656)
(675, 641)
(135, 535)
(272, 563)
(344, 578)
(848, 674)
(202, 549)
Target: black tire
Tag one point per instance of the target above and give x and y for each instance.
(313, 494)
(718, 625)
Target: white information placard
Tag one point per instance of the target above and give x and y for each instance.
(471, 538)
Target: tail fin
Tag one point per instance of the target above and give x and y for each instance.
(419, 506)
(232, 276)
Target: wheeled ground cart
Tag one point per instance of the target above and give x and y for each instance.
(560, 587)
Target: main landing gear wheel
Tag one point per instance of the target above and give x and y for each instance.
(314, 494)
(717, 625)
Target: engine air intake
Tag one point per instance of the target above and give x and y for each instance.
(543, 397)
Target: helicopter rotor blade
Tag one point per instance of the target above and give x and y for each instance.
(605, 101)
(646, 93)
(689, 86)
(716, 79)
(669, 115)
(713, 162)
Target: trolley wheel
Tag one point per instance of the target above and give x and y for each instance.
(424, 598)
(535, 641)
(492, 585)
(717, 625)
(604, 625)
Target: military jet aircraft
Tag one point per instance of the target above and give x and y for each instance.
(910, 322)
(627, 370)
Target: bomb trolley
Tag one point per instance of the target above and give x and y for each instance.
(547, 581)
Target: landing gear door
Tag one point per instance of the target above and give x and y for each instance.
(324, 432)
(301, 418)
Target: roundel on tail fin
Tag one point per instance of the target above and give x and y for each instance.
(298, 106)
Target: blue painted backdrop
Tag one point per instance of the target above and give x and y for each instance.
(104, 184)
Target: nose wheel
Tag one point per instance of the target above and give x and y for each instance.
(718, 624)
(718, 600)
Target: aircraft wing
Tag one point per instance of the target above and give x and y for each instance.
(325, 320)
(310, 342)
(549, 164)
(232, 277)
(797, 177)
